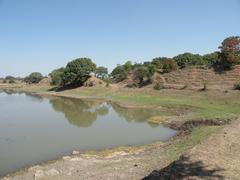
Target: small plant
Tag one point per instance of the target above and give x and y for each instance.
(133, 85)
(158, 86)
(237, 86)
(11, 81)
(204, 87)
(184, 87)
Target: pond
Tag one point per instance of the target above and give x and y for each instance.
(35, 129)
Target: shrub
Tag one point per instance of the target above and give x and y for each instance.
(77, 72)
(11, 81)
(158, 86)
(141, 73)
(119, 73)
(237, 86)
(56, 76)
(168, 65)
(133, 85)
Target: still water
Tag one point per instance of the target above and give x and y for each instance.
(35, 129)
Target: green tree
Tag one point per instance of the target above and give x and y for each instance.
(188, 59)
(211, 58)
(128, 66)
(119, 73)
(56, 76)
(10, 79)
(34, 78)
(77, 72)
(158, 61)
(101, 72)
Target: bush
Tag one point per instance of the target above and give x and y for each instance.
(119, 73)
(158, 86)
(77, 72)
(133, 85)
(237, 86)
(168, 65)
(11, 81)
(56, 76)
(34, 78)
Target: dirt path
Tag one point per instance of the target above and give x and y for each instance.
(216, 158)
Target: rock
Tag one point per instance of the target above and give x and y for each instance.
(66, 157)
(34, 168)
(52, 172)
(75, 152)
(39, 174)
(76, 159)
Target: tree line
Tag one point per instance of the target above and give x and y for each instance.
(79, 70)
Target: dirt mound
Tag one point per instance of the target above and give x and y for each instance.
(94, 82)
(45, 82)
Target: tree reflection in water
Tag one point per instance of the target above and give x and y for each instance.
(83, 113)
(78, 112)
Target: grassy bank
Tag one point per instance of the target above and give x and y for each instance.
(186, 105)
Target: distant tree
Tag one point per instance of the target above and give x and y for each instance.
(10, 79)
(34, 78)
(168, 65)
(101, 72)
(151, 70)
(128, 66)
(119, 73)
(77, 72)
(188, 59)
(230, 52)
(56, 76)
(158, 61)
(212, 58)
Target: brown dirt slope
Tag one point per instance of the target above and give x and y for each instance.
(195, 78)
(216, 158)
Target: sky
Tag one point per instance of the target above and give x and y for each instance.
(42, 35)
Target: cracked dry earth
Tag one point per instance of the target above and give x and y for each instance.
(218, 157)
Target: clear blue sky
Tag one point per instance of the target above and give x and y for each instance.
(41, 35)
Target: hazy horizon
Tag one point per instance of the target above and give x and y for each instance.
(44, 35)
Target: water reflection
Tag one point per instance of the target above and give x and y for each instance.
(84, 113)
(78, 112)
